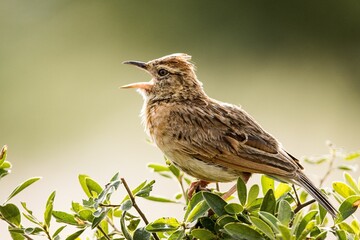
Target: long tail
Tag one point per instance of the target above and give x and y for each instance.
(316, 193)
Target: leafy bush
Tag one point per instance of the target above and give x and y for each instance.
(275, 214)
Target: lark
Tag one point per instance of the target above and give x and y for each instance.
(209, 139)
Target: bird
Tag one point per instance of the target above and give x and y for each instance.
(208, 139)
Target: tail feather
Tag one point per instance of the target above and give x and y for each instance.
(316, 193)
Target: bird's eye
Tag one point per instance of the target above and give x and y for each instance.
(162, 72)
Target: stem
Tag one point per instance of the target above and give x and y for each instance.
(132, 198)
(330, 168)
(14, 226)
(298, 203)
(110, 205)
(112, 225)
(45, 228)
(301, 206)
(103, 232)
(183, 190)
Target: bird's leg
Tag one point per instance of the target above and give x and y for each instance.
(197, 186)
(245, 177)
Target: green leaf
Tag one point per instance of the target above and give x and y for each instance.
(348, 207)
(304, 222)
(202, 234)
(241, 191)
(4, 172)
(175, 171)
(16, 235)
(346, 227)
(253, 193)
(124, 229)
(267, 183)
(57, 232)
(207, 223)
(355, 224)
(315, 161)
(160, 199)
(127, 205)
(285, 232)
(296, 222)
(215, 202)
(135, 191)
(145, 191)
(270, 219)
(241, 231)
(163, 225)
(341, 234)
(21, 187)
(82, 179)
(141, 234)
(75, 235)
(3, 154)
(255, 205)
(343, 189)
(309, 227)
(64, 218)
(233, 208)
(49, 209)
(86, 215)
(285, 214)
(352, 156)
(269, 202)
(133, 224)
(76, 207)
(352, 183)
(263, 227)
(321, 236)
(196, 208)
(282, 189)
(177, 235)
(98, 218)
(11, 213)
(346, 168)
(5, 165)
(225, 219)
(158, 168)
(94, 188)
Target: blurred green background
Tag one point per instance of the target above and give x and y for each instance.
(295, 66)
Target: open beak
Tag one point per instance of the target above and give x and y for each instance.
(137, 64)
(139, 85)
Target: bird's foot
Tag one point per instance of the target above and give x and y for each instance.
(196, 187)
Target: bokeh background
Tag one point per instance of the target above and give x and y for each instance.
(295, 66)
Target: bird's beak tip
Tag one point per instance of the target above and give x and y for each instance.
(139, 64)
(140, 85)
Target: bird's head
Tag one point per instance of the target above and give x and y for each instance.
(173, 78)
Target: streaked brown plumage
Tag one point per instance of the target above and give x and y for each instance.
(206, 138)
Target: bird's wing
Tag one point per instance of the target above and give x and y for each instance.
(228, 136)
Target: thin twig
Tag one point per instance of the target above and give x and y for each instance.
(14, 226)
(103, 232)
(110, 205)
(301, 206)
(296, 195)
(112, 225)
(132, 198)
(47, 233)
(183, 190)
(330, 168)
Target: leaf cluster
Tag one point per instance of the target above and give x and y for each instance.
(269, 210)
